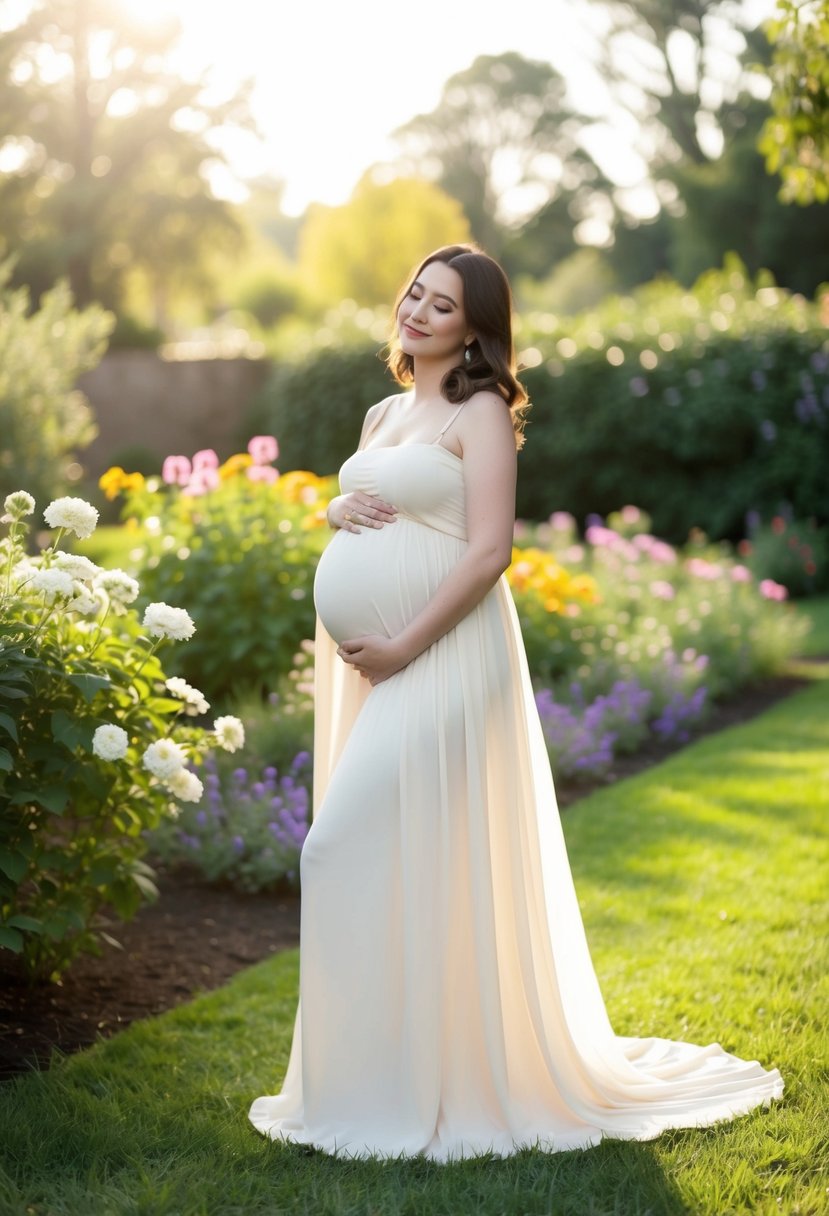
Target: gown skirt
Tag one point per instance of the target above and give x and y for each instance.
(448, 1005)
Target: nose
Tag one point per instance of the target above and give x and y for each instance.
(418, 311)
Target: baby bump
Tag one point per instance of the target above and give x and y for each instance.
(377, 580)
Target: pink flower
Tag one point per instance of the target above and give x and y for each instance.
(205, 459)
(772, 590)
(263, 449)
(662, 590)
(176, 470)
(700, 568)
(519, 529)
(741, 574)
(562, 521)
(257, 472)
(630, 515)
(201, 481)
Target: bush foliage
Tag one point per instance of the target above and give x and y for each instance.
(701, 406)
(43, 417)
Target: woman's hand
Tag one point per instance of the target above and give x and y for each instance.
(349, 510)
(374, 656)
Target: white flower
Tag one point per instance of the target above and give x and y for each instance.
(23, 572)
(163, 759)
(52, 583)
(230, 733)
(120, 587)
(72, 513)
(194, 699)
(186, 786)
(110, 742)
(19, 504)
(165, 622)
(78, 566)
(86, 602)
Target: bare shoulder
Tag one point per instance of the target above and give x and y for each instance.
(486, 416)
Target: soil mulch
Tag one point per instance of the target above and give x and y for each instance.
(195, 937)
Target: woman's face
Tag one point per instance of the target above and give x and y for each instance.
(431, 321)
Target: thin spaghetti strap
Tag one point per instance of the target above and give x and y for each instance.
(446, 427)
(378, 418)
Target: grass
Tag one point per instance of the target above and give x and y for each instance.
(703, 886)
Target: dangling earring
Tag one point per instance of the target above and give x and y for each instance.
(467, 355)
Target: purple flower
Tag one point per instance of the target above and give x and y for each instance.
(639, 386)
(758, 380)
(238, 844)
(768, 430)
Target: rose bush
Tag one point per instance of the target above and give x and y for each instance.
(87, 757)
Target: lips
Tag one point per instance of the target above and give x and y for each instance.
(412, 332)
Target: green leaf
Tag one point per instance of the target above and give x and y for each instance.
(71, 732)
(8, 724)
(11, 939)
(53, 797)
(89, 685)
(19, 921)
(13, 864)
(6, 761)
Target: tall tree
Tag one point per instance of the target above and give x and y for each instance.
(363, 249)
(504, 141)
(795, 138)
(665, 60)
(107, 152)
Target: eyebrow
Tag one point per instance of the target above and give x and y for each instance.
(439, 294)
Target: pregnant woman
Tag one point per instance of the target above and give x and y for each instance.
(448, 1003)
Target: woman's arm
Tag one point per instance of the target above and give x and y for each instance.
(489, 464)
(372, 511)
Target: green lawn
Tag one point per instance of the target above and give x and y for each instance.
(703, 885)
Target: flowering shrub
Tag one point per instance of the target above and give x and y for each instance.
(238, 542)
(793, 553)
(87, 760)
(250, 830)
(651, 607)
(583, 736)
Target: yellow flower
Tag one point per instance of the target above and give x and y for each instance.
(112, 481)
(133, 481)
(538, 573)
(300, 486)
(234, 465)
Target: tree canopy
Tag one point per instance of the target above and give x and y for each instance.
(795, 138)
(364, 249)
(107, 153)
(504, 141)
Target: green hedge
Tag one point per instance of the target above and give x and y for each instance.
(699, 407)
(316, 407)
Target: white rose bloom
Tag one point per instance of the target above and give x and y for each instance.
(78, 566)
(19, 504)
(196, 704)
(186, 786)
(230, 733)
(52, 583)
(121, 588)
(165, 622)
(110, 742)
(164, 758)
(74, 514)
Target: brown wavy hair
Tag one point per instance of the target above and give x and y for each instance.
(487, 306)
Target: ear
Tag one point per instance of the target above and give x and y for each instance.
(469, 339)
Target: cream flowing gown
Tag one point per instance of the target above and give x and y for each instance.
(448, 1003)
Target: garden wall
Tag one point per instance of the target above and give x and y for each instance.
(148, 407)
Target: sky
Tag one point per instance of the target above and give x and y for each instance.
(332, 80)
